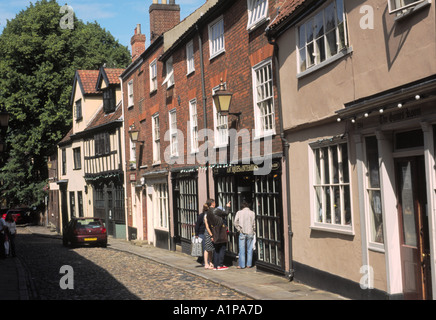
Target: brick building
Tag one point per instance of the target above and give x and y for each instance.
(203, 153)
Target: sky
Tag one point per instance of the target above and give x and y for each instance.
(118, 17)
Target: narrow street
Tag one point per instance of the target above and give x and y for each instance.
(105, 274)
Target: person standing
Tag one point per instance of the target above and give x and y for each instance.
(218, 229)
(2, 238)
(11, 231)
(246, 226)
(202, 232)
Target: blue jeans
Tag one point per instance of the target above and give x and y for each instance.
(245, 246)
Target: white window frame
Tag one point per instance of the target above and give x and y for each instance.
(316, 214)
(312, 47)
(193, 123)
(161, 209)
(220, 125)
(400, 5)
(172, 116)
(263, 92)
(169, 79)
(155, 123)
(374, 245)
(153, 75)
(257, 13)
(216, 38)
(132, 151)
(190, 63)
(130, 93)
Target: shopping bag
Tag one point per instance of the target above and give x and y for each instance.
(7, 248)
(196, 247)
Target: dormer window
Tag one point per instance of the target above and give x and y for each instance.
(109, 100)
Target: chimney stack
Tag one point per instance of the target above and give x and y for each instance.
(163, 17)
(138, 43)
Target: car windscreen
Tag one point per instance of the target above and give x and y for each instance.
(88, 223)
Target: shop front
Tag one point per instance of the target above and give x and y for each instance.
(185, 205)
(238, 182)
(395, 155)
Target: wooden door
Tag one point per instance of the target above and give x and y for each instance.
(414, 237)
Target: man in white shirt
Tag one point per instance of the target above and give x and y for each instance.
(246, 225)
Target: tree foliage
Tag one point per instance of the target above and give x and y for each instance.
(38, 60)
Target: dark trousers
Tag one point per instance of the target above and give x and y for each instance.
(218, 256)
(12, 245)
(2, 246)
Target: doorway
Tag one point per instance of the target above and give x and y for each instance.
(413, 222)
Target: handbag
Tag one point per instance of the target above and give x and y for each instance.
(196, 247)
(219, 233)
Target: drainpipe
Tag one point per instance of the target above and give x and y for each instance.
(203, 88)
(290, 273)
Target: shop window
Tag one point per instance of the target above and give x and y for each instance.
(331, 187)
(374, 191)
(161, 205)
(267, 207)
(186, 207)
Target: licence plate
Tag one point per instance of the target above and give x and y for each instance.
(90, 239)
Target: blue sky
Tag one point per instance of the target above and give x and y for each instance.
(118, 17)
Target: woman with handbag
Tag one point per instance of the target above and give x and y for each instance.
(202, 231)
(218, 230)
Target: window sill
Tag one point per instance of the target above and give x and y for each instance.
(190, 72)
(330, 60)
(157, 163)
(407, 12)
(220, 146)
(257, 24)
(213, 56)
(377, 247)
(265, 135)
(347, 230)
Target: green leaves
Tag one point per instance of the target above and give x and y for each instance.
(38, 60)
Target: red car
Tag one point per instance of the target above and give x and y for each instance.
(17, 215)
(85, 231)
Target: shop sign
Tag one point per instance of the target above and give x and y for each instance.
(243, 168)
(400, 115)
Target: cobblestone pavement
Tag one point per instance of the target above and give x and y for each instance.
(105, 274)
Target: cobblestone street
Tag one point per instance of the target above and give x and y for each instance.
(105, 274)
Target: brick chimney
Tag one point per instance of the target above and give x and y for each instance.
(138, 43)
(163, 17)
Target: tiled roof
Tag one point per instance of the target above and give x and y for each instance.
(67, 137)
(287, 8)
(88, 79)
(101, 118)
(113, 75)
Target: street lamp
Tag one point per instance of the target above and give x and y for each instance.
(223, 99)
(134, 134)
